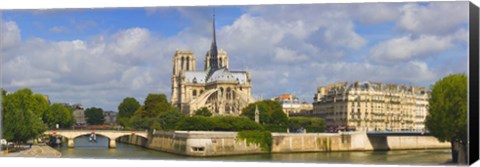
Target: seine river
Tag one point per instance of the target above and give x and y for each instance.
(85, 149)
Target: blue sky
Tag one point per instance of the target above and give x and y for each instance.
(99, 56)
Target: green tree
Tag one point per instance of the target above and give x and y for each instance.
(447, 113)
(58, 114)
(20, 121)
(279, 117)
(271, 112)
(195, 123)
(126, 109)
(154, 104)
(311, 124)
(168, 120)
(264, 112)
(4, 92)
(94, 116)
(203, 112)
(147, 115)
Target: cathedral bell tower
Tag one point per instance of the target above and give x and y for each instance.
(182, 61)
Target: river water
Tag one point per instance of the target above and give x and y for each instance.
(100, 150)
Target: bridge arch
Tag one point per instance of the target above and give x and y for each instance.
(112, 135)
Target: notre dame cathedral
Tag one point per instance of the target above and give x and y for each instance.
(222, 91)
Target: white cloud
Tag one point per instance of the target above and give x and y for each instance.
(407, 47)
(437, 18)
(58, 29)
(10, 34)
(373, 13)
(344, 35)
(288, 49)
(127, 42)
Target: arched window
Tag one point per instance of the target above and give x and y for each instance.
(220, 63)
(221, 91)
(194, 80)
(194, 93)
(229, 93)
(201, 91)
(188, 63)
(183, 62)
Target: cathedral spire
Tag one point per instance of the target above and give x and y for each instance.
(213, 47)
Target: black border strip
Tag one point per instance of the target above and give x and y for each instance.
(473, 85)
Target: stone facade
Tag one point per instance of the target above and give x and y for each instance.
(110, 117)
(372, 106)
(78, 114)
(222, 91)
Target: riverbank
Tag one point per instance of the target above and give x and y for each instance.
(207, 143)
(40, 150)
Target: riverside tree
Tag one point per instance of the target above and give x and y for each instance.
(21, 121)
(447, 114)
(58, 114)
(203, 112)
(147, 116)
(94, 116)
(126, 109)
(271, 115)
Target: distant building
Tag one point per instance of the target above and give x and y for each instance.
(292, 105)
(372, 106)
(110, 117)
(78, 114)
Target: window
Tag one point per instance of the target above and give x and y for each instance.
(198, 149)
(183, 62)
(194, 93)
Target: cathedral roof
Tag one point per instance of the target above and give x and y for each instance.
(195, 76)
(221, 74)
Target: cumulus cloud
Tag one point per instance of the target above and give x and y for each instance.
(287, 48)
(407, 47)
(435, 18)
(10, 34)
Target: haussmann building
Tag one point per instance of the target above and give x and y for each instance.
(372, 106)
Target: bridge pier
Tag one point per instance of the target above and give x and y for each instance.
(71, 143)
(112, 143)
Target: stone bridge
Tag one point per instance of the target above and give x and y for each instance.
(112, 135)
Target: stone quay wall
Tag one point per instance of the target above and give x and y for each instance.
(352, 141)
(205, 143)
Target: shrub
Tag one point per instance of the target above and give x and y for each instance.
(275, 128)
(262, 138)
(203, 112)
(310, 124)
(195, 123)
(217, 123)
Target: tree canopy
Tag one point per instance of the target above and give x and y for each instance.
(126, 109)
(94, 116)
(203, 112)
(128, 106)
(147, 116)
(58, 114)
(447, 111)
(311, 124)
(21, 121)
(270, 111)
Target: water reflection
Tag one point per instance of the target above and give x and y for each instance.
(82, 142)
(125, 151)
